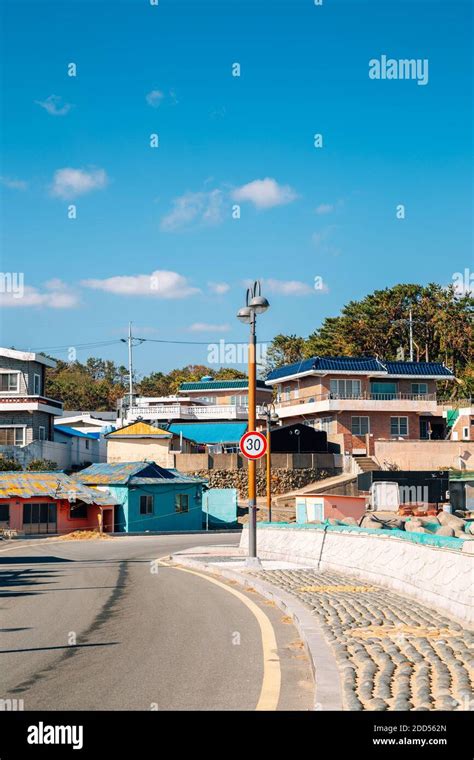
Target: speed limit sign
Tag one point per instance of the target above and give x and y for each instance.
(253, 445)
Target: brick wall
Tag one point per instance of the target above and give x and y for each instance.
(33, 422)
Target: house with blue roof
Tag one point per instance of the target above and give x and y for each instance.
(83, 448)
(148, 497)
(359, 400)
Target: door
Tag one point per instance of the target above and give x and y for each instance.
(39, 518)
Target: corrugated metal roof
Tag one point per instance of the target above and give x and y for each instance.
(55, 485)
(139, 429)
(121, 473)
(215, 385)
(210, 432)
(66, 430)
(367, 364)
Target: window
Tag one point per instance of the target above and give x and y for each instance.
(12, 436)
(345, 388)
(146, 504)
(10, 382)
(208, 399)
(360, 425)
(383, 390)
(181, 502)
(239, 400)
(78, 510)
(36, 384)
(398, 425)
(465, 433)
(419, 389)
(87, 443)
(42, 433)
(287, 393)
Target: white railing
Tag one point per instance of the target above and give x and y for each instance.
(315, 398)
(180, 411)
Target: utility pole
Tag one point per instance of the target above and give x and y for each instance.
(410, 322)
(130, 342)
(130, 362)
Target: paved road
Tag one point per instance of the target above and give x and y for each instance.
(89, 625)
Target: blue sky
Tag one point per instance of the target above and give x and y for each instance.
(306, 212)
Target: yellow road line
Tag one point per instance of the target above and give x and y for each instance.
(271, 681)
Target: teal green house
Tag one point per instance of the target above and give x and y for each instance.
(149, 497)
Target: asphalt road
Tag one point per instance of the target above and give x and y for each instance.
(88, 625)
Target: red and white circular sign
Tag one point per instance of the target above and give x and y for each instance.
(253, 445)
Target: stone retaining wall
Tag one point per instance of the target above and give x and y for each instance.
(438, 577)
(282, 480)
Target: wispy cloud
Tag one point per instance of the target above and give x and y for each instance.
(194, 208)
(322, 236)
(265, 193)
(159, 284)
(54, 105)
(219, 288)
(154, 98)
(55, 294)
(14, 184)
(208, 328)
(70, 183)
(324, 208)
(287, 287)
(328, 208)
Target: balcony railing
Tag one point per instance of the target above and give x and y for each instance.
(180, 411)
(314, 398)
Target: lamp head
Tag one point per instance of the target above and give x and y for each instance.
(244, 314)
(259, 304)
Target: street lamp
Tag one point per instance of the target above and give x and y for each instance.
(268, 411)
(255, 304)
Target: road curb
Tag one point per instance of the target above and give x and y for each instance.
(327, 679)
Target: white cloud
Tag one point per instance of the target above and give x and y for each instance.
(219, 288)
(53, 106)
(321, 237)
(206, 327)
(55, 295)
(14, 184)
(154, 98)
(265, 193)
(287, 287)
(69, 183)
(158, 284)
(324, 208)
(200, 207)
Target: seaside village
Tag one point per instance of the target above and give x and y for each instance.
(355, 443)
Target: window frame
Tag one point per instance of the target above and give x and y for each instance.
(36, 376)
(178, 507)
(149, 500)
(336, 381)
(9, 373)
(418, 392)
(399, 418)
(359, 417)
(15, 428)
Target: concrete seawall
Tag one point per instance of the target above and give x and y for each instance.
(438, 577)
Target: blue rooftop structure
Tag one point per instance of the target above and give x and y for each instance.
(361, 365)
(69, 431)
(210, 432)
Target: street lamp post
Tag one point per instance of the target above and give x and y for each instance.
(255, 304)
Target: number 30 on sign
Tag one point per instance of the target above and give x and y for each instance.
(253, 445)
